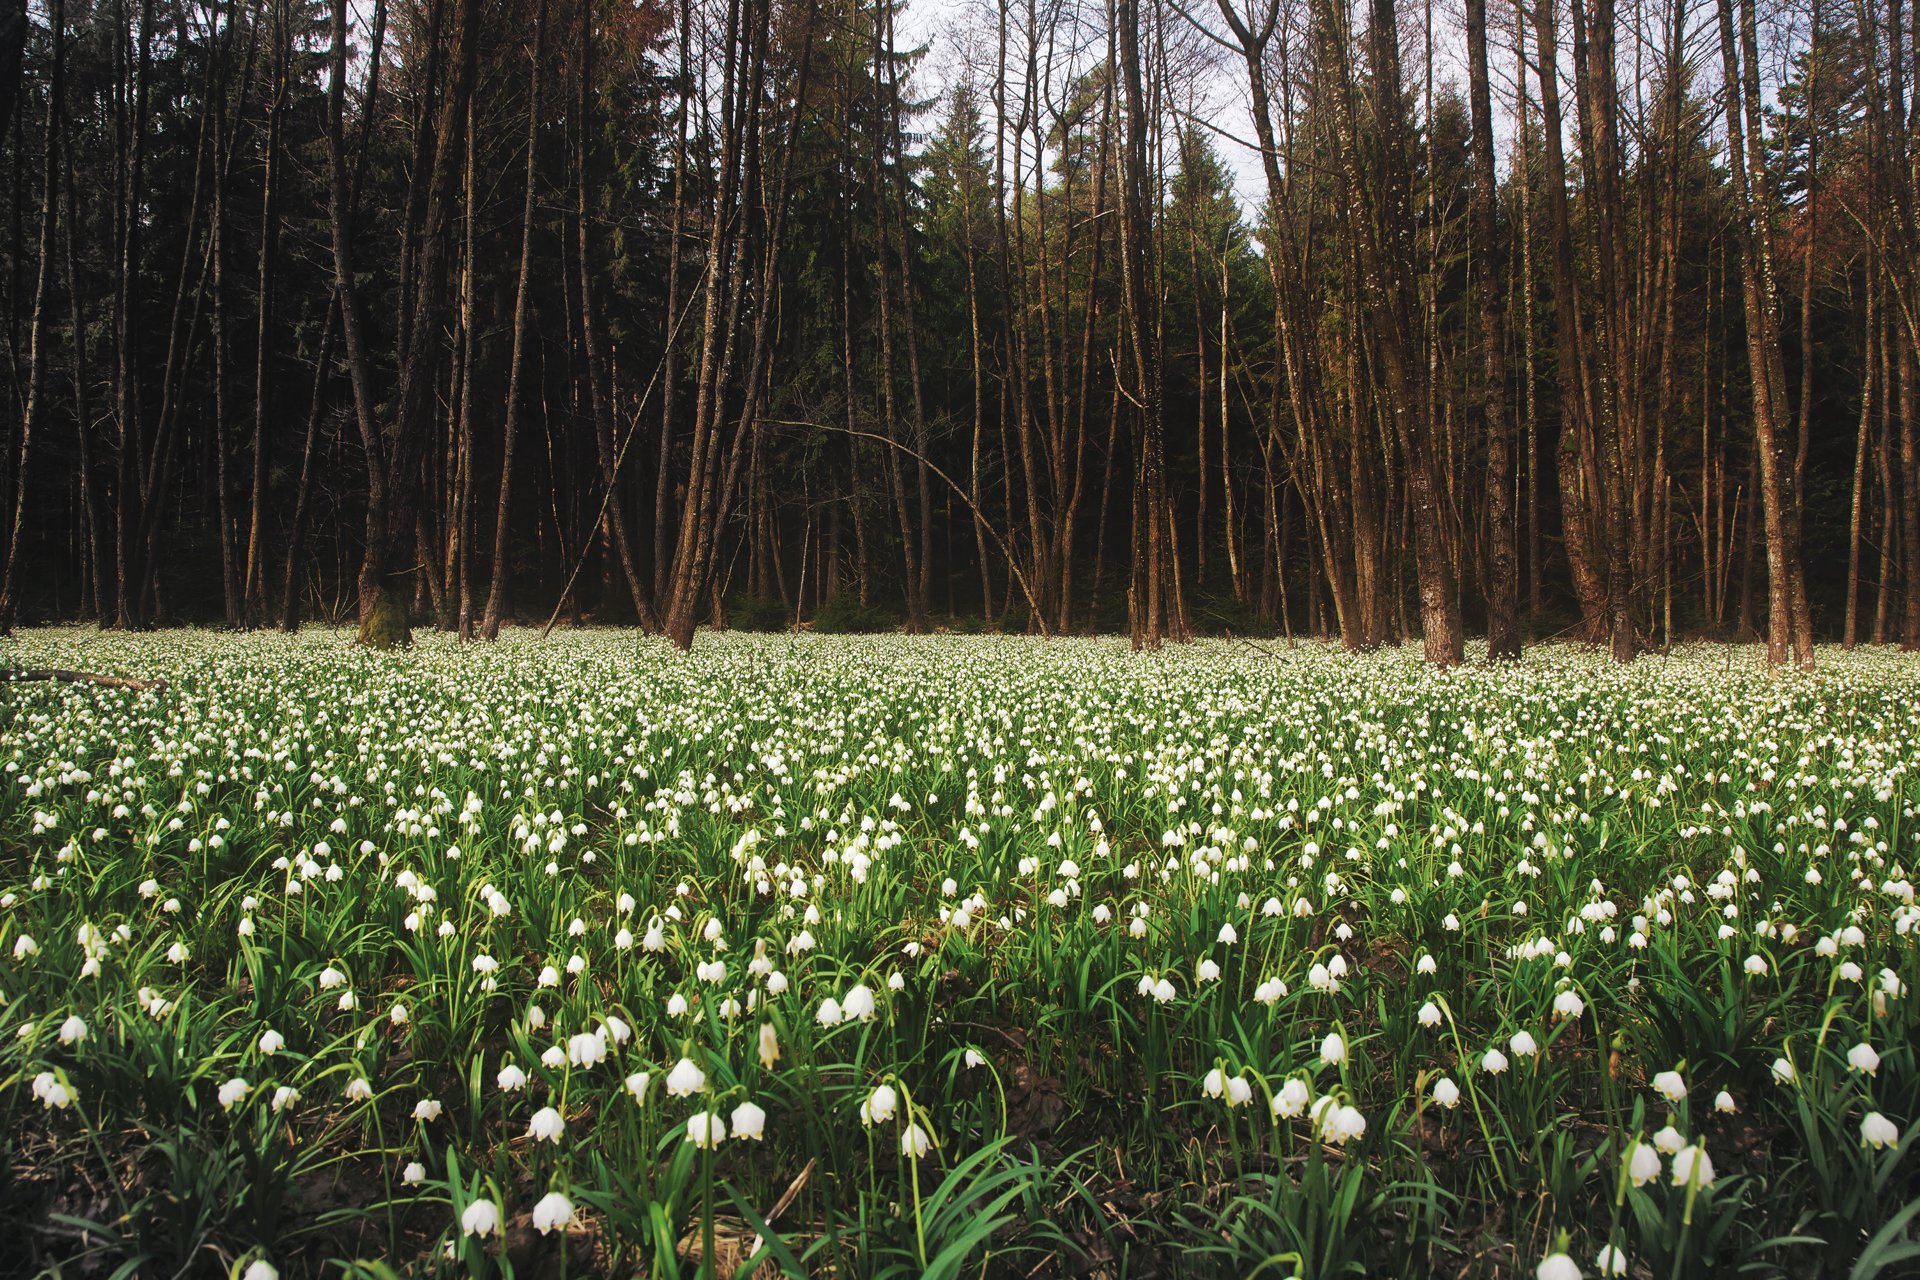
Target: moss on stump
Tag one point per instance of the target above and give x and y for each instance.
(385, 626)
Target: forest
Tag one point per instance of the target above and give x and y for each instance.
(1530, 320)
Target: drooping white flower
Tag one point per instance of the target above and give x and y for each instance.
(859, 1004)
(232, 1093)
(547, 1125)
(1557, 1266)
(1643, 1165)
(685, 1079)
(1611, 1261)
(1691, 1165)
(1878, 1132)
(511, 1079)
(879, 1106)
(1864, 1058)
(1493, 1062)
(1333, 1049)
(706, 1130)
(73, 1030)
(749, 1121)
(915, 1142)
(481, 1218)
(1670, 1086)
(1446, 1092)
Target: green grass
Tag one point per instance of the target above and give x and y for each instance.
(421, 869)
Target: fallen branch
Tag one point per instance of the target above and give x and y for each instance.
(80, 677)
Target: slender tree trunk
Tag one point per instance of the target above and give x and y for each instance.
(1503, 584)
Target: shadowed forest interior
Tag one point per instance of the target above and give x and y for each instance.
(1266, 316)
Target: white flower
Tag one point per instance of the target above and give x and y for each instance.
(1783, 1071)
(1611, 1261)
(1668, 1140)
(553, 1211)
(1207, 970)
(1863, 1058)
(1670, 1086)
(1643, 1165)
(879, 1106)
(1877, 1131)
(829, 1014)
(426, 1110)
(1228, 934)
(1342, 1124)
(53, 1093)
(973, 1058)
(915, 1142)
(414, 1174)
(749, 1121)
(1493, 1062)
(1723, 1103)
(685, 1079)
(1214, 1083)
(859, 1004)
(1568, 1004)
(24, 946)
(358, 1089)
(1239, 1091)
(1523, 1044)
(1690, 1165)
(232, 1093)
(73, 1030)
(481, 1218)
(1446, 1092)
(271, 1042)
(1430, 1014)
(511, 1079)
(260, 1269)
(637, 1085)
(331, 978)
(706, 1130)
(546, 1126)
(284, 1097)
(586, 1049)
(1333, 1049)
(1557, 1266)
(769, 1045)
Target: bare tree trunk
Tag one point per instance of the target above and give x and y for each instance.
(516, 361)
(1503, 585)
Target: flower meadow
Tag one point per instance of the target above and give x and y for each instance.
(955, 956)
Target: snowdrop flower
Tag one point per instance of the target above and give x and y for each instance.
(587, 1049)
(359, 1090)
(973, 1058)
(1427, 965)
(637, 1085)
(1430, 1015)
(859, 1004)
(1214, 1083)
(1723, 1103)
(1523, 1044)
(1493, 1062)
(53, 1093)
(271, 1042)
(1691, 1165)
(1228, 934)
(1557, 1266)
(511, 1079)
(749, 1121)
(1342, 1124)
(1878, 1132)
(552, 1212)
(1269, 992)
(260, 1269)
(553, 1057)
(769, 1046)
(879, 1106)
(1670, 1086)
(481, 1218)
(1783, 1071)
(1568, 1004)
(685, 1079)
(73, 1030)
(706, 1130)
(232, 1093)
(1291, 1101)
(398, 1015)
(1208, 971)
(829, 1013)
(1643, 1166)
(1446, 1092)
(284, 1097)
(1668, 1140)
(546, 1126)
(1611, 1261)
(24, 946)
(1333, 1049)
(1863, 1058)
(414, 1174)
(426, 1110)
(915, 1142)
(331, 978)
